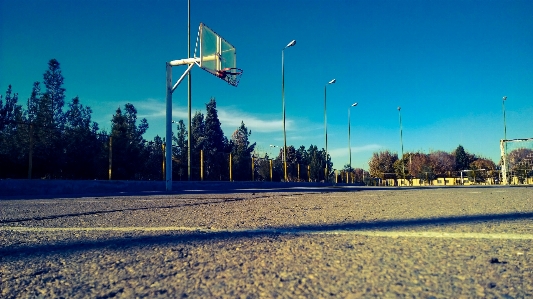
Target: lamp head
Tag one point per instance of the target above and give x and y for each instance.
(292, 43)
(332, 81)
(354, 104)
(399, 108)
(504, 98)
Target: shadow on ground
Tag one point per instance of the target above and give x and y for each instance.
(70, 247)
(50, 189)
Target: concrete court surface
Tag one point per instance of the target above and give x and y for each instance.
(352, 243)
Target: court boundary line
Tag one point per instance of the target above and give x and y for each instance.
(293, 231)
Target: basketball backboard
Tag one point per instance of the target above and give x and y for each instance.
(216, 55)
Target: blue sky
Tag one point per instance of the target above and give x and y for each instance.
(446, 63)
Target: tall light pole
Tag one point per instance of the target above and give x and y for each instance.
(292, 43)
(349, 143)
(504, 125)
(189, 92)
(326, 126)
(504, 166)
(401, 140)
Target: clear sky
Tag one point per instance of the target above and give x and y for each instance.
(446, 63)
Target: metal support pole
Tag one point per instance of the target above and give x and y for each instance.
(270, 170)
(349, 132)
(253, 169)
(163, 162)
(230, 170)
(168, 138)
(189, 89)
(504, 166)
(504, 124)
(30, 154)
(292, 43)
(168, 122)
(401, 142)
(349, 143)
(110, 156)
(283, 108)
(504, 161)
(326, 135)
(201, 165)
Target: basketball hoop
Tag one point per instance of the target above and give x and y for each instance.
(232, 75)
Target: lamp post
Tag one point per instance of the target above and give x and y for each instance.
(349, 143)
(401, 140)
(504, 125)
(292, 43)
(504, 166)
(326, 126)
(189, 93)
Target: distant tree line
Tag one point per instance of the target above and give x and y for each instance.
(302, 165)
(208, 142)
(439, 164)
(48, 139)
(45, 140)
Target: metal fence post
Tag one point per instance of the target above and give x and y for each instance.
(110, 156)
(230, 170)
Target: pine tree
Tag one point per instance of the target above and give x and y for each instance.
(154, 162)
(48, 121)
(12, 141)
(317, 163)
(33, 102)
(179, 166)
(241, 153)
(214, 143)
(82, 148)
(10, 110)
(55, 93)
(128, 144)
(461, 159)
(197, 143)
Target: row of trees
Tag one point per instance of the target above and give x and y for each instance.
(208, 142)
(386, 164)
(49, 139)
(302, 165)
(44, 140)
(211, 147)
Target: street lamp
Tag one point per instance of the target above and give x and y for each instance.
(326, 126)
(401, 140)
(349, 143)
(504, 166)
(292, 43)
